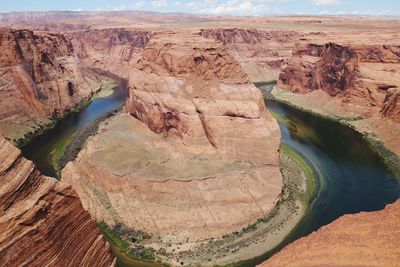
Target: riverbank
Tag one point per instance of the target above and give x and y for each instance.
(300, 185)
(376, 131)
(69, 146)
(104, 90)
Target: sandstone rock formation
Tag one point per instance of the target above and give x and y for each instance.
(202, 162)
(42, 221)
(40, 79)
(356, 80)
(114, 50)
(364, 239)
(391, 104)
(261, 53)
(360, 74)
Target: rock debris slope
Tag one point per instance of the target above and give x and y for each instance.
(42, 221)
(200, 160)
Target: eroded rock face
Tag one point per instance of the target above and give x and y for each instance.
(334, 72)
(200, 160)
(391, 104)
(42, 220)
(195, 90)
(359, 74)
(114, 50)
(364, 239)
(261, 53)
(40, 79)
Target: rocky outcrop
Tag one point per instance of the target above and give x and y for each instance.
(42, 221)
(200, 160)
(114, 50)
(334, 71)
(391, 104)
(364, 239)
(195, 90)
(40, 79)
(261, 53)
(359, 74)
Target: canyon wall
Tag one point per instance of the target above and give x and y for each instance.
(357, 81)
(40, 79)
(114, 50)
(42, 221)
(391, 104)
(198, 158)
(261, 53)
(363, 239)
(358, 74)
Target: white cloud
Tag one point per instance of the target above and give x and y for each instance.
(191, 4)
(133, 6)
(236, 7)
(81, 8)
(159, 3)
(139, 4)
(326, 2)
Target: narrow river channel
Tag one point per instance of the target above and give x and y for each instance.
(352, 176)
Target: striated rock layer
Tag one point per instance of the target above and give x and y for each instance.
(42, 221)
(114, 50)
(359, 74)
(200, 160)
(40, 79)
(358, 82)
(261, 53)
(364, 239)
(391, 104)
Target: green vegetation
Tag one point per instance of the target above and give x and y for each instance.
(105, 90)
(391, 160)
(280, 118)
(312, 182)
(41, 129)
(128, 241)
(59, 150)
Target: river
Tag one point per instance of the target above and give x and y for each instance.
(40, 149)
(353, 177)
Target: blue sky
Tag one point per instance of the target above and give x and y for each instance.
(218, 7)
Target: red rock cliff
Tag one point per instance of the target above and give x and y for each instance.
(42, 221)
(358, 74)
(40, 79)
(391, 104)
(187, 86)
(261, 53)
(114, 50)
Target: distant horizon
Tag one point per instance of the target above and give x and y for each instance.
(243, 8)
(205, 14)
